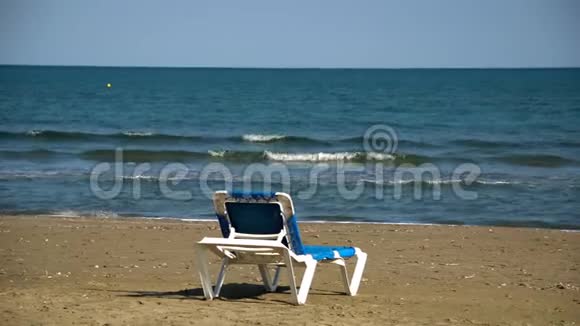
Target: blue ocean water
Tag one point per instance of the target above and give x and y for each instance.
(520, 127)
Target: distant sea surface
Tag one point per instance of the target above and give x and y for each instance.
(521, 127)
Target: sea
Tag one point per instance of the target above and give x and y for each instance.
(498, 147)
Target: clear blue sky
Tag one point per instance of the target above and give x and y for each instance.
(298, 33)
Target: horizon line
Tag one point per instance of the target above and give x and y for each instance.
(293, 68)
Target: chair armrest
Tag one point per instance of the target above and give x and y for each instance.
(241, 242)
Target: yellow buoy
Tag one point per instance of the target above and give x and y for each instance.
(109, 85)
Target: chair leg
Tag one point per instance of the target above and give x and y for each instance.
(271, 283)
(221, 277)
(306, 281)
(299, 295)
(361, 259)
(343, 275)
(291, 278)
(266, 279)
(276, 278)
(201, 262)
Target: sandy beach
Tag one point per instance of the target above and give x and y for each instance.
(93, 271)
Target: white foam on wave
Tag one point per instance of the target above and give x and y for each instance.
(139, 177)
(257, 138)
(137, 133)
(34, 132)
(66, 213)
(379, 156)
(495, 182)
(409, 181)
(72, 213)
(217, 153)
(5, 175)
(310, 157)
(156, 178)
(325, 157)
(438, 182)
(443, 182)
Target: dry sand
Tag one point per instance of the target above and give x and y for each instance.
(120, 271)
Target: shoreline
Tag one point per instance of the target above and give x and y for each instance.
(209, 220)
(64, 270)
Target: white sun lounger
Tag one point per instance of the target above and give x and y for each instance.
(261, 229)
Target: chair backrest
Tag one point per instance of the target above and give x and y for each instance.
(258, 213)
(255, 218)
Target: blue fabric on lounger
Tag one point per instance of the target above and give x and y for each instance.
(256, 218)
(327, 252)
(261, 219)
(253, 195)
(224, 224)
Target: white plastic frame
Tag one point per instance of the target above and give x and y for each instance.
(267, 251)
